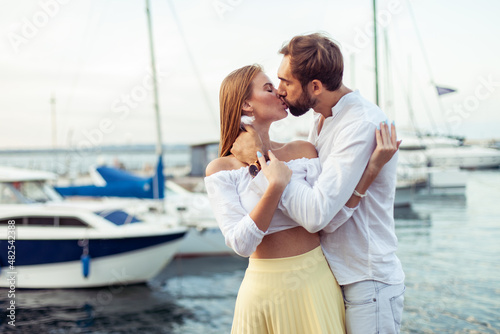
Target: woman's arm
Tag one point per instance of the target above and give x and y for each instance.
(244, 232)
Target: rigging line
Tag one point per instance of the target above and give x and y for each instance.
(424, 54)
(399, 77)
(83, 46)
(408, 102)
(420, 91)
(93, 19)
(408, 98)
(193, 64)
(388, 89)
(428, 109)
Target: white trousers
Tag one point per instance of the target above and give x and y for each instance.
(373, 307)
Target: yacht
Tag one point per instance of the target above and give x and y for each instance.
(48, 242)
(449, 152)
(188, 209)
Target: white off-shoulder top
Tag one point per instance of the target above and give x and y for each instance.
(234, 193)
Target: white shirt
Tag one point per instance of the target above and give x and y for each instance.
(364, 246)
(234, 193)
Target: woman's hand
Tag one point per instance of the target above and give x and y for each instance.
(387, 146)
(277, 172)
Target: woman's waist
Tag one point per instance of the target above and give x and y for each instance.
(303, 261)
(285, 243)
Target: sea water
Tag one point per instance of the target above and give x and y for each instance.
(449, 247)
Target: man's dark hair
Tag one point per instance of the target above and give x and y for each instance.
(315, 56)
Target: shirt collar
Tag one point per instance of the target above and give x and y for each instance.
(342, 102)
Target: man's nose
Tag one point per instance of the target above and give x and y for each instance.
(281, 91)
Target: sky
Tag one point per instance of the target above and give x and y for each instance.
(92, 59)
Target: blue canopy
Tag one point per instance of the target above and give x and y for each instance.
(120, 183)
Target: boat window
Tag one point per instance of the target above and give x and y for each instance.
(7, 195)
(45, 221)
(52, 193)
(41, 221)
(6, 221)
(33, 191)
(118, 217)
(69, 221)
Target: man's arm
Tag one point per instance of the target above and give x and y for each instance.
(314, 207)
(246, 146)
(387, 146)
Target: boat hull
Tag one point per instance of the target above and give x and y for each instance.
(404, 195)
(122, 268)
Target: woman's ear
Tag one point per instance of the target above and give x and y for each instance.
(247, 109)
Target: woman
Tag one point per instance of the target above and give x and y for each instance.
(288, 286)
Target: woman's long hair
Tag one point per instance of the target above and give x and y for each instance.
(234, 91)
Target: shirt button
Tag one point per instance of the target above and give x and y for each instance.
(374, 299)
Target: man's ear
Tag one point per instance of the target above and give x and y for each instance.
(247, 109)
(316, 87)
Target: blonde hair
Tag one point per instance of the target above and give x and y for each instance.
(234, 91)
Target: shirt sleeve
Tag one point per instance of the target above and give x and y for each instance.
(314, 207)
(313, 171)
(239, 230)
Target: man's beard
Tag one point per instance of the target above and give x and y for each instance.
(302, 105)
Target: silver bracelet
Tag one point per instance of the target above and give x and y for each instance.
(356, 193)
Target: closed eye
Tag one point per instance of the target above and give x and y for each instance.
(269, 87)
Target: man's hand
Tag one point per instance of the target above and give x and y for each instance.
(246, 145)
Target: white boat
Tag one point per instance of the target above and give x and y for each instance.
(413, 167)
(49, 243)
(181, 208)
(191, 210)
(204, 237)
(464, 157)
(405, 191)
(450, 153)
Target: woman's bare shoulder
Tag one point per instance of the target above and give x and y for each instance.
(300, 149)
(223, 163)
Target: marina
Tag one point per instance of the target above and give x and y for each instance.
(105, 223)
(448, 246)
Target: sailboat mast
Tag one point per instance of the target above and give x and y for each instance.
(54, 122)
(410, 108)
(159, 143)
(375, 50)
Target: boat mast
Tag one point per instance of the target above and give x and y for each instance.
(159, 143)
(408, 96)
(375, 50)
(54, 122)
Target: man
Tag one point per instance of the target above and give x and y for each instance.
(361, 250)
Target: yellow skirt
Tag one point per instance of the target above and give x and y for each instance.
(297, 294)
